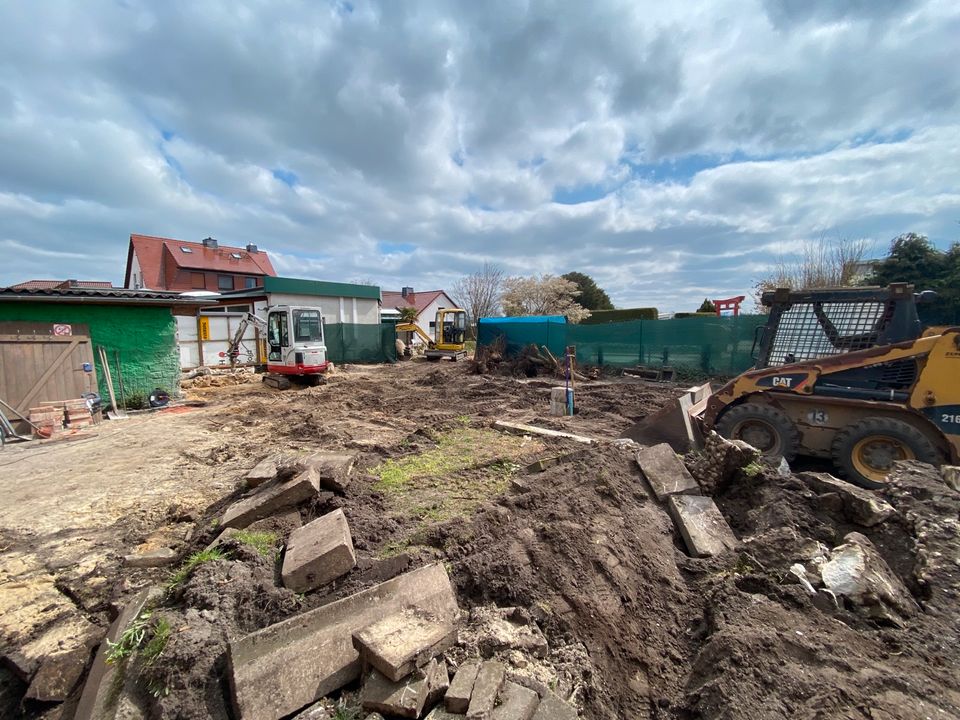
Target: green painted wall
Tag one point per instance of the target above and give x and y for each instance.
(145, 335)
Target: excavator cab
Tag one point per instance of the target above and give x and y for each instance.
(450, 330)
(295, 344)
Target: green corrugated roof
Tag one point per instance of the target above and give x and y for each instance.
(296, 286)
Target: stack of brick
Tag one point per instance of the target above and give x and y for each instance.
(78, 414)
(46, 420)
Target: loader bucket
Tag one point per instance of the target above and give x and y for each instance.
(677, 423)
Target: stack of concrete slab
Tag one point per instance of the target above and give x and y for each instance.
(272, 497)
(333, 468)
(481, 691)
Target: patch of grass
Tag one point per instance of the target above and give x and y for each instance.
(130, 639)
(753, 469)
(192, 563)
(345, 712)
(158, 643)
(393, 548)
(263, 542)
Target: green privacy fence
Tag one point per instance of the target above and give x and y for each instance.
(357, 343)
(711, 345)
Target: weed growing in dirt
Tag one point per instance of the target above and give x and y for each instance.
(191, 564)
(394, 547)
(263, 542)
(130, 639)
(344, 712)
(158, 643)
(753, 469)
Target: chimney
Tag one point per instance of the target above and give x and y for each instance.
(209, 242)
(251, 248)
(406, 292)
(73, 283)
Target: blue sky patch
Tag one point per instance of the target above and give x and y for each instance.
(286, 176)
(391, 248)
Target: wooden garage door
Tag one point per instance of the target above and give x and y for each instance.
(43, 362)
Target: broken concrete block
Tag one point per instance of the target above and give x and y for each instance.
(861, 506)
(98, 699)
(665, 472)
(318, 552)
(951, 476)
(404, 699)
(151, 558)
(858, 572)
(490, 679)
(438, 682)
(516, 703)
(549, 462)
(264, 471)
(400, 643)
(323, 710)
(457, 699)
(272, 498)
(703, 528)
(553, 708)
(720, 461)
(441, 713)
(58, 675)
(223, 537)
(500, 629)
(333, 469)
(286, 666)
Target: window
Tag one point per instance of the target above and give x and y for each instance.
(225, 282)
(307, 326)
(277, 335)
(185, 249)
(249, 282)
(235, 256)
(197, 281)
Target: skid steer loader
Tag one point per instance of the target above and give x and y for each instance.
(841, 374)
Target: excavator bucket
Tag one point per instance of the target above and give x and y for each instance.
(677, 423)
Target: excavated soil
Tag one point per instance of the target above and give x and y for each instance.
(579, 555)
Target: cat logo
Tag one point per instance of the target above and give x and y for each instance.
(782, 381)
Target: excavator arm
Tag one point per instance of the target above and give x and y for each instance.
(412, 327)
(249, 319)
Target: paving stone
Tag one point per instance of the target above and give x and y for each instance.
(318, 552)
(58, 675)
(951, 476)
(152, 558)
(861, 506)
(486, 689)
(516, 703)
(264, 471)
(665, 472)
(271, 498)
(98, 700)
(284, 667)
(400, 643)
(405, 698)
(553, 708)
(333, 468)
(701, 524)
(457, 699)
(438, 682)
(441, 713)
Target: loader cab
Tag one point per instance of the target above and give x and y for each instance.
(451, 328)
(295, 340)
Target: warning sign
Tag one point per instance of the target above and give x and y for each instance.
(59, 329)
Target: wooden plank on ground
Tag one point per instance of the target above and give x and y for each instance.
(522, 429)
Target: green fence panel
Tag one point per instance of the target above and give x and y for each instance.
(359, 343)
(711, 345)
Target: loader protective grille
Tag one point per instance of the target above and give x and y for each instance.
(813, 330)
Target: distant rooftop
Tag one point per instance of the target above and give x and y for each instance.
(61, 284)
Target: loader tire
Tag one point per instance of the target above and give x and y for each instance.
(766, 428)
(865, 452)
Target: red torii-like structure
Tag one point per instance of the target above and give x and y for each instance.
(730, 306)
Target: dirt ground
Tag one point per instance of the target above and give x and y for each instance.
(580, 554)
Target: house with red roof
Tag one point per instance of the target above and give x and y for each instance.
(63, 285)
(426, 302)
(158, 263)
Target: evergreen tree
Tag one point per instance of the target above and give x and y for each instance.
(591, 296)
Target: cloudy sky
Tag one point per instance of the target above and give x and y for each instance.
(671, 150)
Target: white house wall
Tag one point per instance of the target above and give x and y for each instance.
(215, 349)
(361, 311)
(429, 315)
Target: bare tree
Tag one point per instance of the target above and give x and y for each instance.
(544, 295)
(479, 293)
(822, 263)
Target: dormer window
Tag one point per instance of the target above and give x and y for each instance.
(235, 256)
(184, 248)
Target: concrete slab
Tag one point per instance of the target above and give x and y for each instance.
(522, 429)
(703, 528)
(264, 471)
(403, 699)
(333, 468)
(665, 472)
(552, 461)
(457, 699)
(553, 708)
(58, 675)
(862, 506)
(399, 644)
(272, 498)
(98, 701)
(152, 558)
(490, 680)
(318, 552)
(284, 667)
(438, 682)
(441, 713)
(516, 703)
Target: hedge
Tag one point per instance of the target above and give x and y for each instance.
(599, 317)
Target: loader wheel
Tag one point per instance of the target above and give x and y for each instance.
(769, 430)
(865, 451)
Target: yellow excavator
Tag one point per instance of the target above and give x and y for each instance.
(450, 329)
(841, 374)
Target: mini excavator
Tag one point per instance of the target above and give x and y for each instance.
(450, 329)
